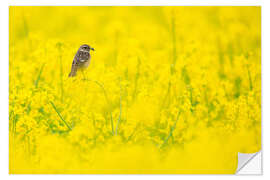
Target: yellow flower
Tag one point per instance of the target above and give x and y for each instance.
(167, 89)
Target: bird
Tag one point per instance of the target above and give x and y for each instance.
(81, 59)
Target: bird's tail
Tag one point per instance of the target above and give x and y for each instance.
(72, 73)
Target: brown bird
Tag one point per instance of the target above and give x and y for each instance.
(81, 59)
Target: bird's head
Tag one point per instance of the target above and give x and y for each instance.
(86, 48)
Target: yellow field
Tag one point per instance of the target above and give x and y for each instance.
(168, 90)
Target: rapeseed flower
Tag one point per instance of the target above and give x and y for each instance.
(168, 90)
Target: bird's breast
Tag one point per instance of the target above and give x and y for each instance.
(86, 63)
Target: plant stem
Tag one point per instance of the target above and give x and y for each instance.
(120, 113)
(107, 99)
(171, 130)
(39, 75)
(60, 116)
(174, 44)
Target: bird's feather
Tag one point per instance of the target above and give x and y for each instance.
(81, 60)
(73, 68)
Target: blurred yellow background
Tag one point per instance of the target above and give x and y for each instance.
(168, 90)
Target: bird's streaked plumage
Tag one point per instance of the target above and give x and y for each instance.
(81, 59)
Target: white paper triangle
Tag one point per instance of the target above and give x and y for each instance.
(249, 163)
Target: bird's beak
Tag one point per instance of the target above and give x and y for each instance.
(93, 49)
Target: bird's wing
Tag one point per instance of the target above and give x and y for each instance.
(80, 58)
(73, 68)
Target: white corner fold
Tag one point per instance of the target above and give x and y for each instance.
(249, 163)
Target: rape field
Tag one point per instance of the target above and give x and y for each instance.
(168, 90)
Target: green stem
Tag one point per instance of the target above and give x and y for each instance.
(107, 99)
(174, 45)
(39, 75)
(120, 113)
(136, 80)
(166, 96)
(60, 116)
(250, 80)
(171, 130)
(61, 79)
